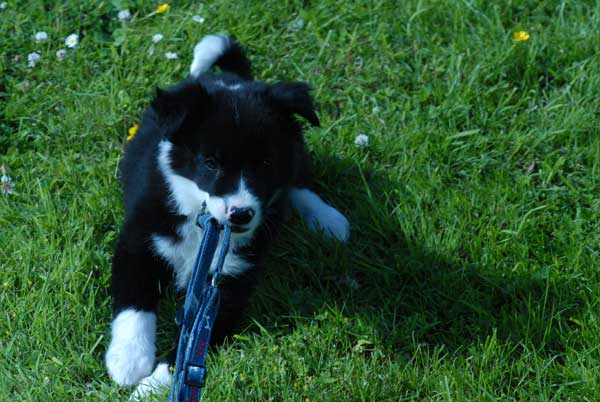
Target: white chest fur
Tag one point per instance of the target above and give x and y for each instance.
(181, 254)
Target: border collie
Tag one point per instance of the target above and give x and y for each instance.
(218, 143)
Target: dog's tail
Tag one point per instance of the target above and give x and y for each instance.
(222, 50)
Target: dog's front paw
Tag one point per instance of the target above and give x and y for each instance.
(130, 356)
(330, 221)
(128, 362)
(152, 385)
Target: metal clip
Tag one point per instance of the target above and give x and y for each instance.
(215, 280)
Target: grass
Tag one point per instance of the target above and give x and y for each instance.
(472, 271)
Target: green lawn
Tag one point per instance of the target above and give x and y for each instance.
(472, 273)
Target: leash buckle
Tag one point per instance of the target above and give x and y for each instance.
(195, 376)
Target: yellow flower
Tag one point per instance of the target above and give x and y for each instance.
(520, 36)
(132, 132)
(163, 8)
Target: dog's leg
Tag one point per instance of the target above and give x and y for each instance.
(319, 215)
(136, 282)
(234, 292)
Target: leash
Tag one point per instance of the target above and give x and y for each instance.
(198, 315)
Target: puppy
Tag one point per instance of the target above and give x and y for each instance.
(218, 143)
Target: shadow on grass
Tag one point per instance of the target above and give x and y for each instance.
(402, 292)
(399, 292)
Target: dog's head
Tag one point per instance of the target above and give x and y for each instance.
(232, 149)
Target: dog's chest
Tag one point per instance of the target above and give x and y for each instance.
(181, 254)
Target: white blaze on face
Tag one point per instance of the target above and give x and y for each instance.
(220, 207)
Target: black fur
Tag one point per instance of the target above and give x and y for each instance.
(251, 129)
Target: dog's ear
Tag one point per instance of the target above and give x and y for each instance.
(294, 98)
(173, 105)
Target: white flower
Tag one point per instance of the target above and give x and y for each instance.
(171, 55)
(3, 5)
(296, 25)
(24, 86)
(72, 40)
(198, 19)
(7, 186)
(60, 54)
(41, 36)
(361, 140)
(124, 15)
(157, 38)
(33, 58)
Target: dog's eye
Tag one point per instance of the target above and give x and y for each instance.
(210, 163)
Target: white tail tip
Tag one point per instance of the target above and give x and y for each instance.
(207, 52)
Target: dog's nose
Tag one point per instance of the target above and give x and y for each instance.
(240, 216)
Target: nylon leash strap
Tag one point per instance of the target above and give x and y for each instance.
(198, 315)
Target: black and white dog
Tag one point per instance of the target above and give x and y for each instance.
(220, 143)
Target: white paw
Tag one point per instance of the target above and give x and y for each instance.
(130, 356)
(154, 384)
(331, 222)
(127, 363)
(319, 215)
